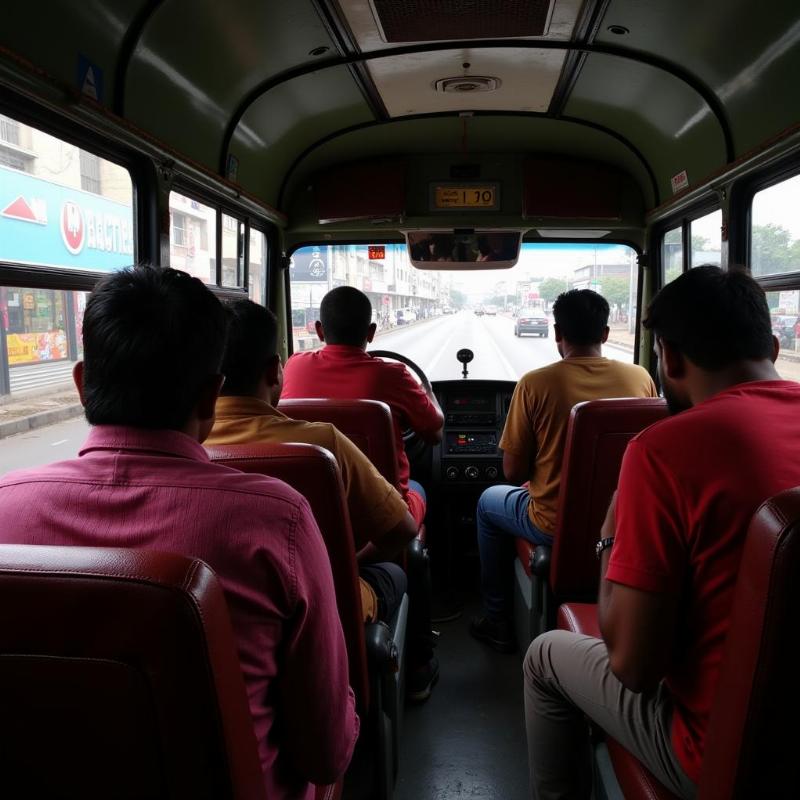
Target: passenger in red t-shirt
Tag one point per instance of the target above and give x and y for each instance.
(344, 370)
(671, 544)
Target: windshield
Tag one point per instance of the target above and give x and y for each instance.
(503, 316)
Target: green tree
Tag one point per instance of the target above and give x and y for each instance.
(616, 290)
(550, 288)
(699, 244)
(771, 250)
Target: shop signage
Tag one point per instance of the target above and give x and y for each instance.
(52, 225)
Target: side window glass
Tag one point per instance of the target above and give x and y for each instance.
(775, 229)
(706, 239)
(257, 267)
(672, 254)
(193, 237)
(232, 251)
(61, 206)
(784, 312)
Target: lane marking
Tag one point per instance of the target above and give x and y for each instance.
(503, 360)
(429, 370)
(60, 441)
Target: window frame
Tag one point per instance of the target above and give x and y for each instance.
(682, 219)
(144, 191)
(247, 222)
(742, 196)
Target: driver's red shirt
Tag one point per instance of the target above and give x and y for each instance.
(346, 372)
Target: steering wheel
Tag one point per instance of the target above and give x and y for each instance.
(416, 447)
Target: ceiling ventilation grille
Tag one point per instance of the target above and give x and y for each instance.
(429, 20)
(467, 84)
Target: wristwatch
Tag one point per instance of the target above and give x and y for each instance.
(602, 544)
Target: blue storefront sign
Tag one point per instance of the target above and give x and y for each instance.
(51, 225)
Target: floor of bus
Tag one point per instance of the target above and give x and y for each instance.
(468, 739)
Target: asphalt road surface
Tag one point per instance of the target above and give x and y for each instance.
(432, 344)
(43, 445)
(499, 355)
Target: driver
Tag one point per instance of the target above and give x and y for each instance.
(343, 369)
(533, 446)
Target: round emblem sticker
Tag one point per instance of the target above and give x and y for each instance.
(72, 229)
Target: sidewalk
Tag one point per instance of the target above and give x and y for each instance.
(39, 410)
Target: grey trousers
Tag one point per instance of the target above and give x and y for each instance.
(567, 678)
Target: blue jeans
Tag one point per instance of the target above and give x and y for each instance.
(502, 515)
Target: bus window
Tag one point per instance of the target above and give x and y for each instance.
(706, 238)
(193, 237)
(257, 267)
(232, 251)
(775, 229)
(504, 316)
(65, 207)
(672, 254)
(61, 206)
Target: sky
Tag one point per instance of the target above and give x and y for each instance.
(539, 261)
(780, 205)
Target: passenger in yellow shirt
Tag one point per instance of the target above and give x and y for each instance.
(382, 525)
(533, 447)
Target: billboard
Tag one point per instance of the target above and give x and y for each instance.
(51, 225)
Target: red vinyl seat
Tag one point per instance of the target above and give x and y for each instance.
(367, 423)
(119, 677)
(597, 434)
(313, 472)
(750, 750)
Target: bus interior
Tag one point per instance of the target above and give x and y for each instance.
(460, 163)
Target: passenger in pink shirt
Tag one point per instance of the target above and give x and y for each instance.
(153, 344)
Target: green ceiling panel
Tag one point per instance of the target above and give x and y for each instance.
(197, 59)
(286, 120)
(747, 53)
(665, 119)
(54, 34)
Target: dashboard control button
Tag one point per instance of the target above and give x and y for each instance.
(451, 473)
(471, 472)
(491, 473)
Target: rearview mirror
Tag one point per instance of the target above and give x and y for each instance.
(469, 250)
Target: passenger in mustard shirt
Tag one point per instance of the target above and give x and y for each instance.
(533, 446)
(382, 525)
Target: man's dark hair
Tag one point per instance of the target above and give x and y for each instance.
(581, 315)
(252, 342)
(152, 338)
(715, 318)
(345, 314)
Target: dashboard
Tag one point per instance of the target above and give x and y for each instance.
(474, 415)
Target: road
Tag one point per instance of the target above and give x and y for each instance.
(499, 355)
(43, 445)
(432, 344)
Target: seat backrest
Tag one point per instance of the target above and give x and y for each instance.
(751, 741)
(119, 677)
(367, 423)
(314, 473)
(597, 435)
